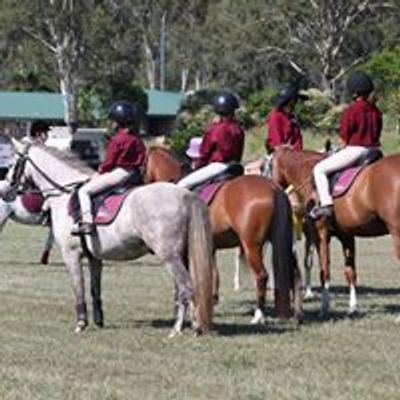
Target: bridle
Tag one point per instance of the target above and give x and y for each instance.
(18, 172)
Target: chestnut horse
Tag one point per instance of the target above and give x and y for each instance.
(371, 207)
(247, 211)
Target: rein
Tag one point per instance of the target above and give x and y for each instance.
(292, 188)
(17, 175)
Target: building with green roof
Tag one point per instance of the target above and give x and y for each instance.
(29, 106)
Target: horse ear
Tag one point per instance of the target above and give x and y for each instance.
(20, 146)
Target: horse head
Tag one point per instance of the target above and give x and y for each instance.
(161, 165)
(14, 178)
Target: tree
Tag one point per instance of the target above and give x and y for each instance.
(61, 27)
(317, 30)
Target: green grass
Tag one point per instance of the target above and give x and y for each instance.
(131, 358)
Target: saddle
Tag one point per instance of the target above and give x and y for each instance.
(106, 204)
(340, 182)
(207, 190)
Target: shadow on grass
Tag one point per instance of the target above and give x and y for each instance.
(366, 290)
(274, 327)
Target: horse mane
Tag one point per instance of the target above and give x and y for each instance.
(161, 149)
(70, 158)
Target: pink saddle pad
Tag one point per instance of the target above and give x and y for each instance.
(33, 202)
(109, 208)
(208, 191)
(106, 208)
(345, 180)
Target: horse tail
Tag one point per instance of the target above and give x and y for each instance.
(286, 271)
(201, 261)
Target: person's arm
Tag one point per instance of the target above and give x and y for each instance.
(206, 149)
(276, 133)
(346, 127)
(112, 153)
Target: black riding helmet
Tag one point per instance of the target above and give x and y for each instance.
(123, 112)
(225, 103)
(360, 84)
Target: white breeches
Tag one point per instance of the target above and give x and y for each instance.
(202, 174)
(333, 163)
(98, 184)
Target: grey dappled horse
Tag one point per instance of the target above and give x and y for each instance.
(163, 218)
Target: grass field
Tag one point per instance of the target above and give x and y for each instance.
(131, 358)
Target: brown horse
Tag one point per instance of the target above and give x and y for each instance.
(371, 207)
(247, 211)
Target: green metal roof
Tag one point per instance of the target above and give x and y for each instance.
(30, 106)
(41, 105)
(163, 103)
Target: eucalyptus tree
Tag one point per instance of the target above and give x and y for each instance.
(61, 27)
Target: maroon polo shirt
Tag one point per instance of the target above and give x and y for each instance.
(125, 150)
(361, 124)
(283, 128)
(223, 141)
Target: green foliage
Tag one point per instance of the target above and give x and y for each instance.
(189, 125)
(195, 115)
(258, 104)
(385, 68)
(315, 112)
(93, 105)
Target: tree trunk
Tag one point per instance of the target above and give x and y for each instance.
(150, 64)
(184, 79)
(163, 50)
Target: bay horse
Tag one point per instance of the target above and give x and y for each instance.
(370, 207)
(247, 211)
(169, 221)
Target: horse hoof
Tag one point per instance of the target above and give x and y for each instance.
(352, 311)
(45, 258)
(299, 318)
(324, 313)
(174, 333)
(80, 326)
(99, 324)
(309, 295)
(215, 298)
(258, 318)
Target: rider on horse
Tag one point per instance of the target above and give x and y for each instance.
(124, 156)
(223, 142)
(360, 130)
(282, 124)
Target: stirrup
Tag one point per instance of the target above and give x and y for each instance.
(321, 212)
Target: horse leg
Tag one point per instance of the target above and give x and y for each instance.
(47, 247)
(396, 247)
(254, 256)
(5, 213)
(215, 281)
(239, 266)
(308, 264)
(324, 260)
(73, 263)
(183, 293)
(95, 268)
(349, 253)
